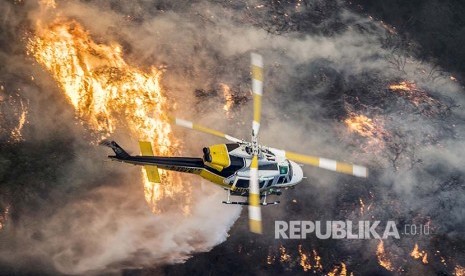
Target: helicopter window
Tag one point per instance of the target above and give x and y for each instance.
(290, 173)
(232, 147)
(281, 179)
(268, 167)
(244, 183)
(236, 164)
(283, 169)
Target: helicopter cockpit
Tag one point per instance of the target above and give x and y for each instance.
(273, 174)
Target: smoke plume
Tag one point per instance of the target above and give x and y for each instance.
(327, 93)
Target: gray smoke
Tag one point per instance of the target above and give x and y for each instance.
(322, 62)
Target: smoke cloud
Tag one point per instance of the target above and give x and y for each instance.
(76, 214)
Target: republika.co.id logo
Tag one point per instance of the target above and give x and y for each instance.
(364, 229)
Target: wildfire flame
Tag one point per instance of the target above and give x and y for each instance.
(361, 124)
(362, 206)
(417, 254)
(459, 270)
(339, 270)
(383, 260)
(418, 97)
(309, 261)
(270, 259)
(16, 132)
(10, 125)
(317, 259)
(109, 94)
(389, 28)
(228, 97)
(48, 4)
(304, 260)
(284, 257)
(371, 129)
(403, 86)
(4, 217)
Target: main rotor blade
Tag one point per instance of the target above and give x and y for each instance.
(255, 215)
(191, 125)
(257, 89)
(323, 163)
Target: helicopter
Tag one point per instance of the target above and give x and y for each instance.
(242, 168)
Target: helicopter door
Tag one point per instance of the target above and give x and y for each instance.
(267, 182)
(275, 180)
(243, 183)
(263, 183)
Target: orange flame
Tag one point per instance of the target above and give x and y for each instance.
(108, 94)
(419, 98)
(383, 260)
(362, 206)
(417, 254)
(48, 4)
(317, 259)
(284, 257)
(270, 259)
(371, 129)
(16, 134)
(403, 86)
(339, 270)
(4, 217)
(459, 270)
(361, 124)
(308, 261)
(304, 260)
(228, 97)
(19, 118)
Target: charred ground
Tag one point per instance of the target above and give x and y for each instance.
(407, 140)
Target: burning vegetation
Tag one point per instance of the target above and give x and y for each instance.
(4, 217)
(371, 129)
(363, 207)
(339, 271)
(383, 258)
(16, 133)
(108, 94)
(13, 116)
(459, 270)
(228, 98)
(308, 261)
(419, 255)
(419, 98)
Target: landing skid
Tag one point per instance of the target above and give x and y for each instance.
(263, 203)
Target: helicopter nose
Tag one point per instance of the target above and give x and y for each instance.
(297, 173)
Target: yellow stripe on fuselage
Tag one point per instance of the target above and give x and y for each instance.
(208, 175)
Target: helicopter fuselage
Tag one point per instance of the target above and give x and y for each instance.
(227, 165)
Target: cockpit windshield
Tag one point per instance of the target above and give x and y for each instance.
(283, 169)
